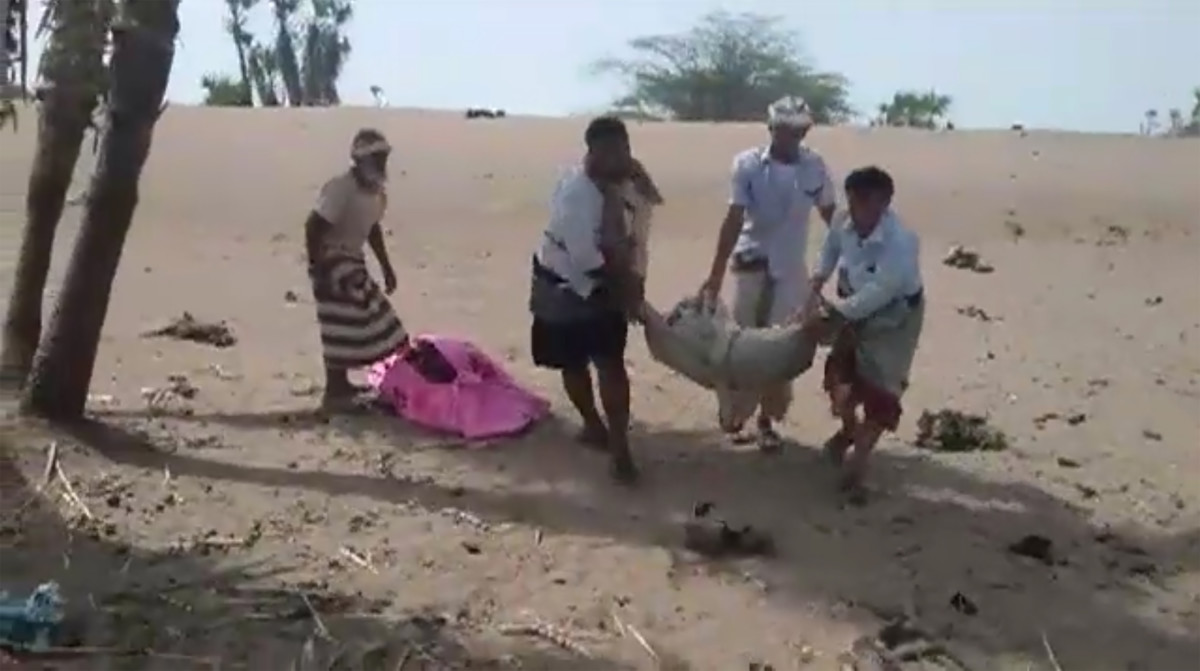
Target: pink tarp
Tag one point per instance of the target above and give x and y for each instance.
(450, 385)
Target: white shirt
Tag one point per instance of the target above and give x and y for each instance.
(779, 199)
(877, 269)
(570, 246)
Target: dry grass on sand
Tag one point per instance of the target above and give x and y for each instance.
(236, 524)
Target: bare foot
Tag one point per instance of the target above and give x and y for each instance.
(593, 436)
(852, 485)
(622, 468)
(742, 436)
(854, 491)
(837, 446)
(624, 472)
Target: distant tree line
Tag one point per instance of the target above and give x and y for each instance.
(299, 65)
(730, 67)
(1178, 124)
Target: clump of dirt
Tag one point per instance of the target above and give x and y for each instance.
(187, 327)
(965, 259)
(900, 645)
(952, 431)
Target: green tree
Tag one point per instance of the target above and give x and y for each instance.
(74, 80)
(729, 67)
(916, 109)
(143, 49)
(224, 91)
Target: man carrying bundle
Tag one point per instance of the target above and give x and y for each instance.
(586, 287)
(764, 237)
(877, 320)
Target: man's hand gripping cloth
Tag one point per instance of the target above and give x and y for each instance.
(702, 343)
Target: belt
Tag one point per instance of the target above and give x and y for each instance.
(599, 291)
(911, 300)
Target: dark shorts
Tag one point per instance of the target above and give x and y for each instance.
(879, 406)
(573, 345)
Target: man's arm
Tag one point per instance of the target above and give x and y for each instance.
(740, 198)
(315, 229)
(831, 251)
(827, 199)
(897, 265)
(375, 240)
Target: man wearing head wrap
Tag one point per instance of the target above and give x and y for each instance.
(764, 236)
(358, 324)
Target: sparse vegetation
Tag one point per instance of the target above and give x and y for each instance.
(915, 109)
(953, 431)
(729, 67)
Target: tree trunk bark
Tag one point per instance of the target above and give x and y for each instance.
(63, 122)
(143, 51)
(285, 52)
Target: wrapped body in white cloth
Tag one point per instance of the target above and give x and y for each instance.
(704, 344)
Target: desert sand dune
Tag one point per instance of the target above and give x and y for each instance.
(1093, 314)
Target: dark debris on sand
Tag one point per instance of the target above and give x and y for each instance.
(187, 327)
(952, 431)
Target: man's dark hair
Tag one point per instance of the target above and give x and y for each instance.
(871, 179)
(368, 135)
(605, 129)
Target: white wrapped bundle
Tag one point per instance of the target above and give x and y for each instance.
(702, 343)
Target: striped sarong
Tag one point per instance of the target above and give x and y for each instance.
(358, 324)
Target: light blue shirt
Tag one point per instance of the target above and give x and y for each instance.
(875, 270)
(779, 198)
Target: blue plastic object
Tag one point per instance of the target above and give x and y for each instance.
(31, 624)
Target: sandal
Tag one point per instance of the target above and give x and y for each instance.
(769, 441)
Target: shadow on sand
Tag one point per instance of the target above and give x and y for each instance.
(184, 608)
(933, 537)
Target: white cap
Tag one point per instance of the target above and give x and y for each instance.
(790, 111)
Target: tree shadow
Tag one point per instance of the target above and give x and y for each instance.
(934, 539)
(186, 608)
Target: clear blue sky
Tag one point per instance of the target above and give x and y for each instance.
(1075, 64)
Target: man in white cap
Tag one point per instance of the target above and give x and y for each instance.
(764, 236)
(358, 324)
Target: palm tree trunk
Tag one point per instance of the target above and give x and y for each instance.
(64, 120)
(143, 51)
(72, 65)
(237, 21)
(285, 53)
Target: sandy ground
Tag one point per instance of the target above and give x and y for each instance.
(214, 518)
